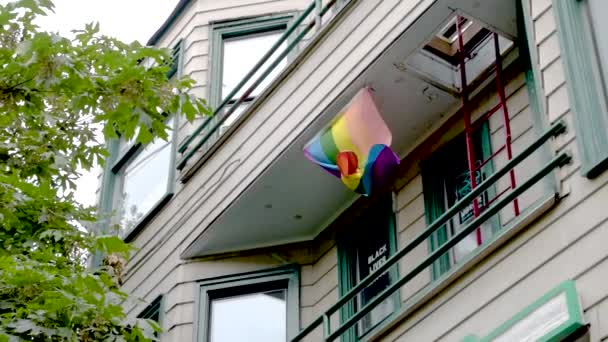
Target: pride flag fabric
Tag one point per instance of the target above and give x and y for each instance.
(355, 147)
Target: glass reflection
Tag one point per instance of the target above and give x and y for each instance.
(144, 182)
(257, 317)
(240, 56)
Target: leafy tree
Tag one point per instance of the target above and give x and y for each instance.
(53, 90)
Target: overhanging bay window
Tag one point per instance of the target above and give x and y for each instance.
(236, 48)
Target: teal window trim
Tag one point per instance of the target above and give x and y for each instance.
(238, 28)
(584, 84)
(528, 55)
(433, 191)
(155, 312)
(287, 277)
(347, 271)
(116, 162)
(574, 322)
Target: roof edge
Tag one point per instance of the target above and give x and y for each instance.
(177, 11)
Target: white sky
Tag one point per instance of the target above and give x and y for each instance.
(127, 20)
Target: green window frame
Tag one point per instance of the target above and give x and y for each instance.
(377, 219)
(154, 312)
(434, 179)
(234, 30)
(124, 154)
(284, 278)
(586, 88)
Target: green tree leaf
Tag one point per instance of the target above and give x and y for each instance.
(53, 89)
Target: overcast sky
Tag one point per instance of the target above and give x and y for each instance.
(127, 20)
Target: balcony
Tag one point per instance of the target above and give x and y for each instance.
(324, 321)
(408, 53)
(287, 199)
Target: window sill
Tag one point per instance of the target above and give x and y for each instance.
(425, 295)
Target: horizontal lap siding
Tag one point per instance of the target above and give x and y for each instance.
(319, 291)
(156, 266)
(566, 243)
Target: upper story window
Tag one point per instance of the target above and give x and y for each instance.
(446, 180)
(257, 307)
(141, 178)
(366, 247)
(237, 46)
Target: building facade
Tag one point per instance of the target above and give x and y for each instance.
(492, 227)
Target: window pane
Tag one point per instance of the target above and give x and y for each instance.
(369, 258)
(240, 56)
(458, 185)
(450, 185)
(372, 251)
(257, 317)
(144, 182)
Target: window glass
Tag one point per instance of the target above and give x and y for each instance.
(143, 182)
(242, 53)
(457, 184)
(255, 317)
(370, 256)
(444, 186)
(363, 251)
(238, 47)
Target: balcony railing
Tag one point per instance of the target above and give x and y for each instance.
(205, 135)
(559, 161)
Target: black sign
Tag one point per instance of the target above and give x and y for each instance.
(371, 257)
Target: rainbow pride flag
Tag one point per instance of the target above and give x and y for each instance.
(355, 147)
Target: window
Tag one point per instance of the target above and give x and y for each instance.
(581, 31)
(143, 181)
(256, 307)
(366, 247)
(237, 47)
(446, 180)
(141, 177)
(153, 312)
